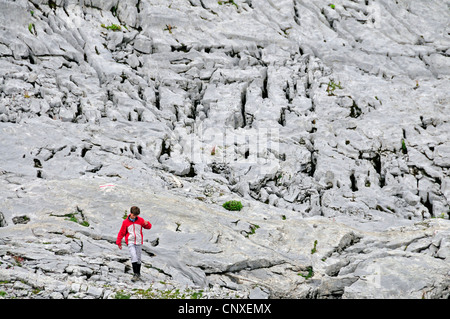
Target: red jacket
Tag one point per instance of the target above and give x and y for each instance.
(132, 231)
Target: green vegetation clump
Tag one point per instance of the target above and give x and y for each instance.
(253, 228)
(73, 217)
(121, 295)
(310, 273)
(404, 149)
(228, 2)
(153, 293)
(113, 27)
(232, 205)
(332, 86)
(32, 28)
(314, 250)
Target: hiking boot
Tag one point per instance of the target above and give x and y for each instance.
(138, 271)
(135, 278)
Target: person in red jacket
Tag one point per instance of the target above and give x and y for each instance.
(132, 231)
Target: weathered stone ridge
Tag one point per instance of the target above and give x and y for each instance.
(328, 121)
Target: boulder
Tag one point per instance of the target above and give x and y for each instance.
(329, 122)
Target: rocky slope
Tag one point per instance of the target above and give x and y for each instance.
(328, 121)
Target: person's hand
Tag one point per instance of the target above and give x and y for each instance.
(146, 223)
(120, 246)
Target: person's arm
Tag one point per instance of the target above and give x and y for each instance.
(122, 233)
(147, 224)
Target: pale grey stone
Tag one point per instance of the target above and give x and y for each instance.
(95, 292)
(329, 124)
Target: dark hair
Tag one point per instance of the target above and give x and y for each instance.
(135, 210)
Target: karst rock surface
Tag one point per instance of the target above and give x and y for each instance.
(330, 122)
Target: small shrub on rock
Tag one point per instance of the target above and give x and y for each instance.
(232, 205)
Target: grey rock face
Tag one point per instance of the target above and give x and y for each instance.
(329, 123)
